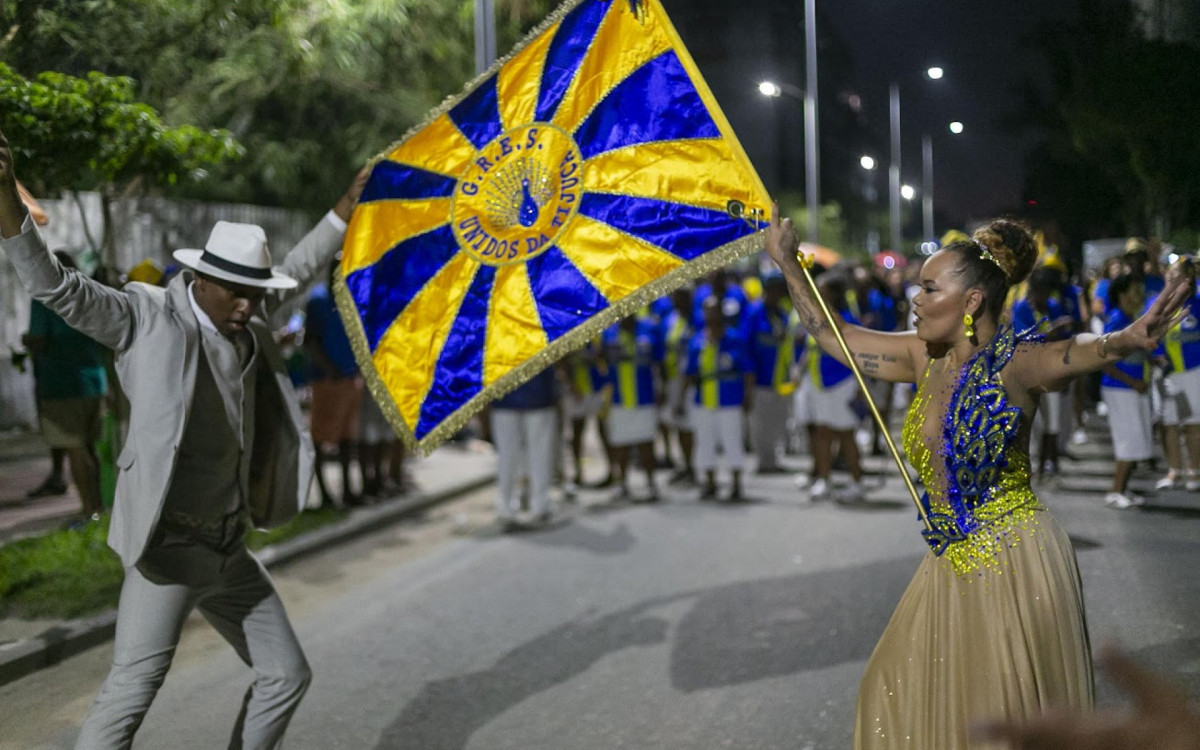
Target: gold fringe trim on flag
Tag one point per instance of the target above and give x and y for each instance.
(712, 260)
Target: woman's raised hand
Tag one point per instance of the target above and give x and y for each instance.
(1166, 310)
(782, 240)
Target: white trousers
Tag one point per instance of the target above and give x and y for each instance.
(236, 596)
(768, 423)
(1130, 422)
(718, 428)
(524, 439)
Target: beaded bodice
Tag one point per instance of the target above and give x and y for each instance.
(963, 442)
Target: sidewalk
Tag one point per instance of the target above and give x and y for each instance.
(24, 463)
(29, 645)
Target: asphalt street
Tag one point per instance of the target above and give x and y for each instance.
(677, 625)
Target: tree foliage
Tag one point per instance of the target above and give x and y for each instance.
(90, 132)
(311, 88)
(1117, 113)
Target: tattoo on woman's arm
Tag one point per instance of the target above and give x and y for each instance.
(1067, 353)
(868, 363)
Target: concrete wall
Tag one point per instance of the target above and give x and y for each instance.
(143, 228)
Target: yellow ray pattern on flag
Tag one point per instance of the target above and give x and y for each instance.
(408, 352)
(625, 46)
(367, 239)
(517, 82)
(617, 264)
(515, 331)
(647, 169)
(439, 147)
(581, 177)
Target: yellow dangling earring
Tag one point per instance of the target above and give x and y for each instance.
(969, 322)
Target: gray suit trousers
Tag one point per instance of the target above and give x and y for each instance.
(235, 594)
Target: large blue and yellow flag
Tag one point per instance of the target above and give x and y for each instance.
(581, 177)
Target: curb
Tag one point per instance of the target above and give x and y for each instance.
(23, 658)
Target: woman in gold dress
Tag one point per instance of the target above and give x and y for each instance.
(992, 624)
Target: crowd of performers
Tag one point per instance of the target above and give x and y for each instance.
(722, 374)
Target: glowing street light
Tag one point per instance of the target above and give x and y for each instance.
(907, 192)
(867, 162)
(769, 88)
(935, 73)
(956, 127)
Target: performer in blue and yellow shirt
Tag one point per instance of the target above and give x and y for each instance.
(634, 356)
(1044, 309)
(1181, 402)
(1125, 388)
(834, 419)
(773, 348)
(584, 398)
(719, 368)
(676, 333)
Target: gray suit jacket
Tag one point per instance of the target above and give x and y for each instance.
(157, 342)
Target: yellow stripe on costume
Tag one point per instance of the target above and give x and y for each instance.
(710, 393)
(514, 332)
(408, 353)
(621, 46)
(814, 365)
(1174, 345)
(439, 147)
(518, 82)
(783, 365)
(699, 173)
(370, 234)
(627, 395)
(615, 262)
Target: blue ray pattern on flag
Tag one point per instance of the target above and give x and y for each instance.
(407, 268)
(657, 102)
(567, 50)
(685, 231)
(392, 181)
(460, 368)
(564, 296)
(478, 114)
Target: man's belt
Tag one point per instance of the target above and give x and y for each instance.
(184, 521)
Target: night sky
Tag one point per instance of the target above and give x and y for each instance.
(980, 44)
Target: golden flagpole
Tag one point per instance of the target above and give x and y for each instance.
(806, 263)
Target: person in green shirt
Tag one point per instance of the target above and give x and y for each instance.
(70, 383)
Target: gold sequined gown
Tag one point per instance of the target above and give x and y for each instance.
(992, 624)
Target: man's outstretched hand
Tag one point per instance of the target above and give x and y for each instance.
(12, 211)
(345, 205)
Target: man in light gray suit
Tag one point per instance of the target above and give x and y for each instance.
(216, 441)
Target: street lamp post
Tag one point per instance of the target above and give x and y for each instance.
(894, 168)
(808, 97)
(485, 35)
(812, 185)
(934, 74)
(926, 187)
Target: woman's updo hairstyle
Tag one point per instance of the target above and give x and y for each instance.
(998, 256)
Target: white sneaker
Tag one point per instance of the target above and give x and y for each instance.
(802, 481)
(1079, 437)
(1170, 481)
(1123, 501)
(819, 489)
(1192, 484)
(852, 493)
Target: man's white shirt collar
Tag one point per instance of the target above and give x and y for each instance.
(201, 316)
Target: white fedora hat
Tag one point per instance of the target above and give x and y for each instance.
(238, 253)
